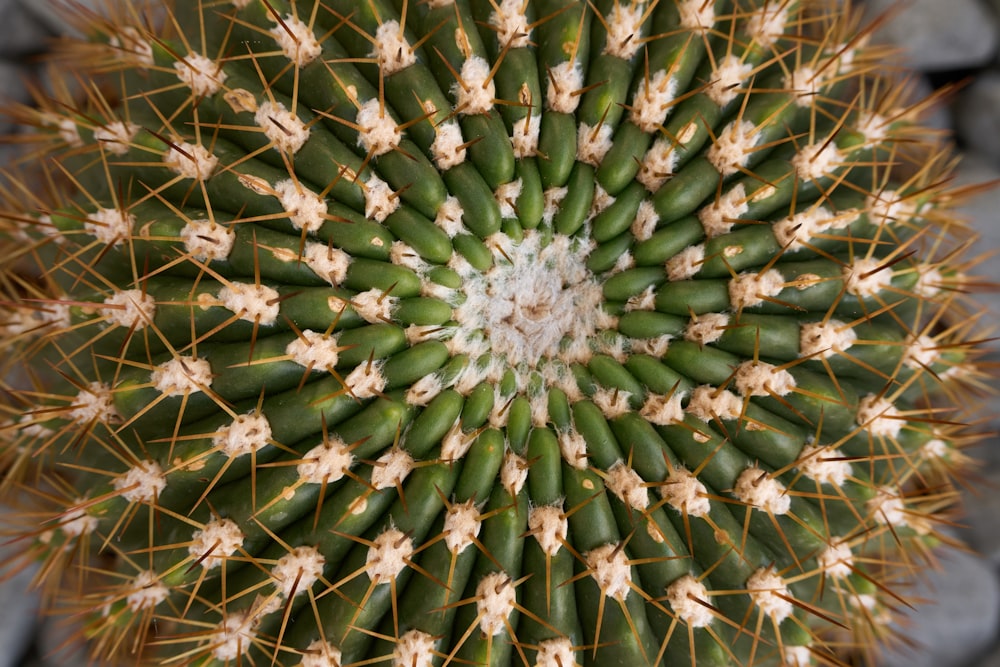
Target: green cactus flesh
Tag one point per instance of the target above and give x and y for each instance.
(482, 332)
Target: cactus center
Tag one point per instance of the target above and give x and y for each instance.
(538, 301)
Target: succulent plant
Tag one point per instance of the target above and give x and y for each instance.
(503, 332)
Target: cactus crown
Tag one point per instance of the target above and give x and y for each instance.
(482, 332)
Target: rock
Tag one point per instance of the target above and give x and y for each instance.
(958, 622)
(23, 34)
(937, 35)
(18, 614)
(976, 118)
(981, 211)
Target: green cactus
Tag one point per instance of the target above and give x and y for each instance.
(503, 332)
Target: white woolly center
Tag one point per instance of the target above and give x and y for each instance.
(506, 197)
(626, 483)
(202, 75)
(769, 593)
(216, 542)
(247, 434)
(820, 464)
(296, 40)
(475, 91)
(879, 416)
(129, 308)
(548, 525)
(795, 231)
(145, 591)
(688, 598)
(528, 305)
(190, 161)
(513, 473)
(115, 137)
(719, 217)
(391, 469)
(284, 129)
(767, 25)
(646, 219)
(511, 24)
(824, 339)
(182, 375)
(77, 522)
(685, 493)
(751, 289)
(727, 78)
(696, 15)
(388, 555)
(663, 410)
(456, 443)
(391, 48)
(298, 570)
(495, 600)
(109, 225)
(887, 507)
(609, 567)
(756, 488)
(524, 136)
(798, 656)
(326, 462)
(732, 148)
(921, 352)
(254, 303)
(624, 26)
(414, 649)
(804, 82)
(686, 264)
(131, 41)
(233, 637)
(142, 483)
(573, 448)
(314, 350)
(205, 240)
(653, 101)
(461, 526)
(305, 209)
(564, 80)
(378, 133)
(374, 305)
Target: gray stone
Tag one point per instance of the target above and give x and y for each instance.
(19, 608)
(983, 214)
(23, 33)
(977, 121)
(12, 89)
(936, 34)
(958, 622)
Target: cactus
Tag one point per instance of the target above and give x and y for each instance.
(497, 332)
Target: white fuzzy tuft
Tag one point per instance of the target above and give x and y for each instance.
(836, 560)
(524, 136)
(732, 147)
(327, 262)
(592, 144)
(688, 598)
(709, 403)
(769, 593)
(495, 600)
(794, 232)
(130, 41)
(415, 648)
(380, 200)
(879, 417)
(217, 541)
(366, 380)
(202, 75)
(327, 462)
(646, 219)
(626, 483)
(129, 308)
(685, 493)
(448, 149)
(387, 556)
(624, 26)
(322, 654)
(686, 264)
(866, 277)
(305, 209)
(548, 525)
(805, 83)
(887, 507)
(449, 216)
(143, 483)
(297, 41)
(182, 375)
(314, 350)
(190, 161)
(707, 328)
(233, 637)
(394, 53)
(207, 241)
(608, 565)
(475, 90)
(284, 129)
(751, 289)
(574, 449)
(719, 217)
(821, 464)
(758, 378)
(374, 305)
(298, 570)
(696, 15)
(557, 652)
(378, 133)
(564, 80)
(815, 161)
(247, 434)
(510, 24)
(767, 25)
(461, 526)
(109, 225)
(513, 473)
(253, 303)
(727, 77)
(392, 468)
(506, 197)
(825, 339)
(652, 101)
(756, 488)
(116, 137)
(145, 591)
(663, 410)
